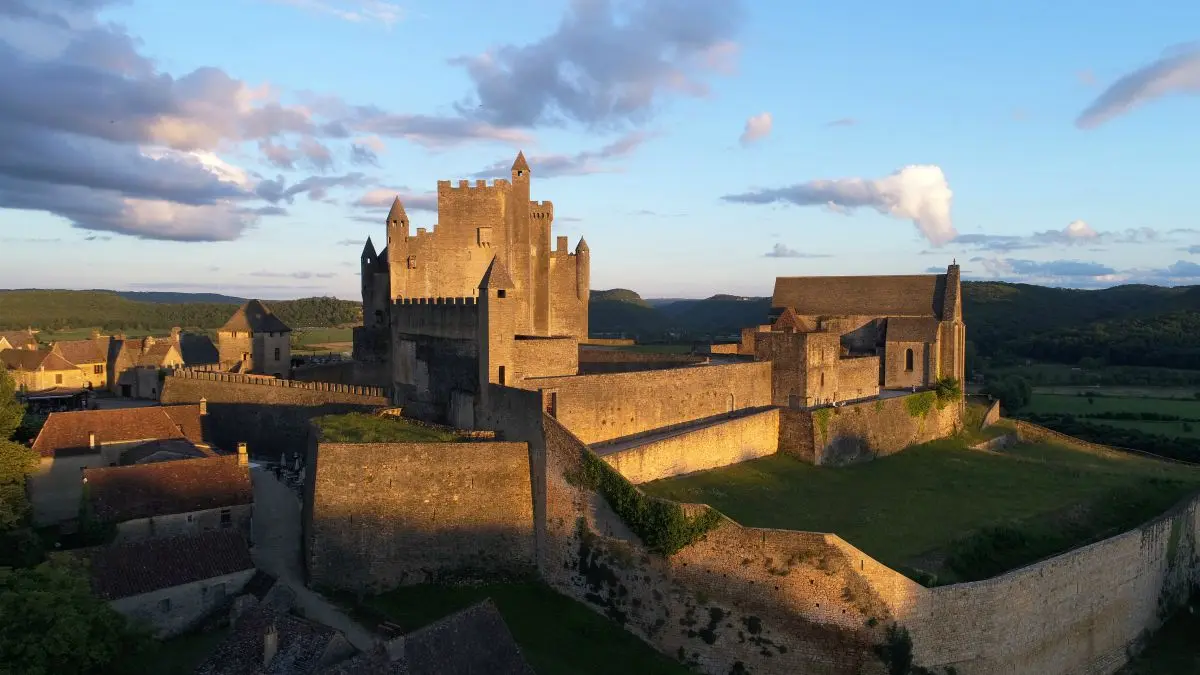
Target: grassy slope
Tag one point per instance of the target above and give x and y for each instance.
(907, 509)
(557, 635)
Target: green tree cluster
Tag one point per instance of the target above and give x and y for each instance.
(1013, 391)
(16, 460)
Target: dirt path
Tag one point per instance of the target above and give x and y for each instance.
(277, 551)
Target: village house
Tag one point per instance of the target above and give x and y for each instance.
(171, 584)
(70, 442)
(137, 364)
(255, 341)
(18, 339)
(90, 356)
(41, 370)
(170, 498)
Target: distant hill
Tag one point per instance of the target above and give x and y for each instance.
(618, 295)
(163, 297)
(109, 310)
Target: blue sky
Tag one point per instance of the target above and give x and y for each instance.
(701, 146)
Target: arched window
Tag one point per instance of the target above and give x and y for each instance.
(908, 360)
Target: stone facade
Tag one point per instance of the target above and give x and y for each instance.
(254, 340)
(175, 610)
(381, 515)
(483, 298)
(708, 446)
(235, 517)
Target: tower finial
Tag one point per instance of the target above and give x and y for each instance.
(520, 166)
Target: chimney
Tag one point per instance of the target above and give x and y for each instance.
(147, 343)
(95, 334)
(92, 440)
(203, 406)
(243, 455)
(175, 331)
(270, 642)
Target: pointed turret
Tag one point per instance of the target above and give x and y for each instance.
(397, 214)
(368, 252)
(582, 247)
(520, 167)
(496, 278)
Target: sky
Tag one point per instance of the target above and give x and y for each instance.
(249, 147)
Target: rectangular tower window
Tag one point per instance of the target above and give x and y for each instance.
(500, 375)
(277, 353)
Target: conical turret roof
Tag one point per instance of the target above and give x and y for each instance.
(496, 277)
(520, 164)
(397, 211)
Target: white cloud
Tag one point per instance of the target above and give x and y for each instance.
(918, 193)
(757, 128)
(382, 198)
(387, 14)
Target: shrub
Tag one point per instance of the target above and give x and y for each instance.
(920, 405)
(661, 524)
(948, 391)
(822, 416)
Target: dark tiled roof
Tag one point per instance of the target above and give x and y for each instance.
(164, 450)
(120, 493)
(30, 360)
(301, 644)
(254, 317)
(133, 568)
(912, 295)
(83, 351)
(475, 641)
(906, 329)
(67, 432)
(198, 350)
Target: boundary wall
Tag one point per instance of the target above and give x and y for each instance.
(605, 407)
(699, 447)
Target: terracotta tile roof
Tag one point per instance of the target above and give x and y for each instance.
(900, 295)
(68, 432)
(121, 493)
(127, 569)
(30, 360)
(301, 645)
(903, 329)
(255, 317)
(19, 339)
(83, 351)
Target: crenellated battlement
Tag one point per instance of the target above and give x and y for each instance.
(541, 210)
(480, 185)
(401, 302)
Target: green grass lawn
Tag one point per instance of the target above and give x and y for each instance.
(1186, 393)
(1079, 405)
(934, 508)
(363, 428)
(48, 336)
(1174, 649)
(303, 337)
(557, 635)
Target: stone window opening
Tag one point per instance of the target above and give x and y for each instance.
(277, 353)
(908, 360)
(500, 375)
(226, 518)
(501, 293)
(822, 379)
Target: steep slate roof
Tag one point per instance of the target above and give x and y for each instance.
(30, 360)
(254, 317)
(197, 350)
(83, 351)
(132, 568)
(519, 164)
(910, 329)
(496, 276)
(474, 641)
(900, 295)
(301, 646)
(164, 450)
(121, 493)
(67, 432)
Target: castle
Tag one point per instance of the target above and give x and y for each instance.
(483, 298)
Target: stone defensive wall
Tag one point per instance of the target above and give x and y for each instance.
(605, 407)
(423, 512)
(752, 600)
(699, 446)
(456, 318)
(596, 361)
(269, 414)
(861, 431)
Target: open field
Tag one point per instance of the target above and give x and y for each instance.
(557, 635)
(1055, 404)
(48, 336)
(1186, 393)
(658, 349)
(1062, 375)
(942, 512)
(322, 340)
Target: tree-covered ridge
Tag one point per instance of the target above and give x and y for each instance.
(57, 310)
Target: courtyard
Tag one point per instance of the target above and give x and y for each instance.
(942, 512)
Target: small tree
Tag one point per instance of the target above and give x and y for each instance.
(12, 411)
(52, 624)
(1013, 391)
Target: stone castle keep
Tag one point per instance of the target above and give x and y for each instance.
(481, 324)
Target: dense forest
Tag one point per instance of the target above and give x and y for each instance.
(57, 310)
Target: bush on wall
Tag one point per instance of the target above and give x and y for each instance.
(660, 523)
